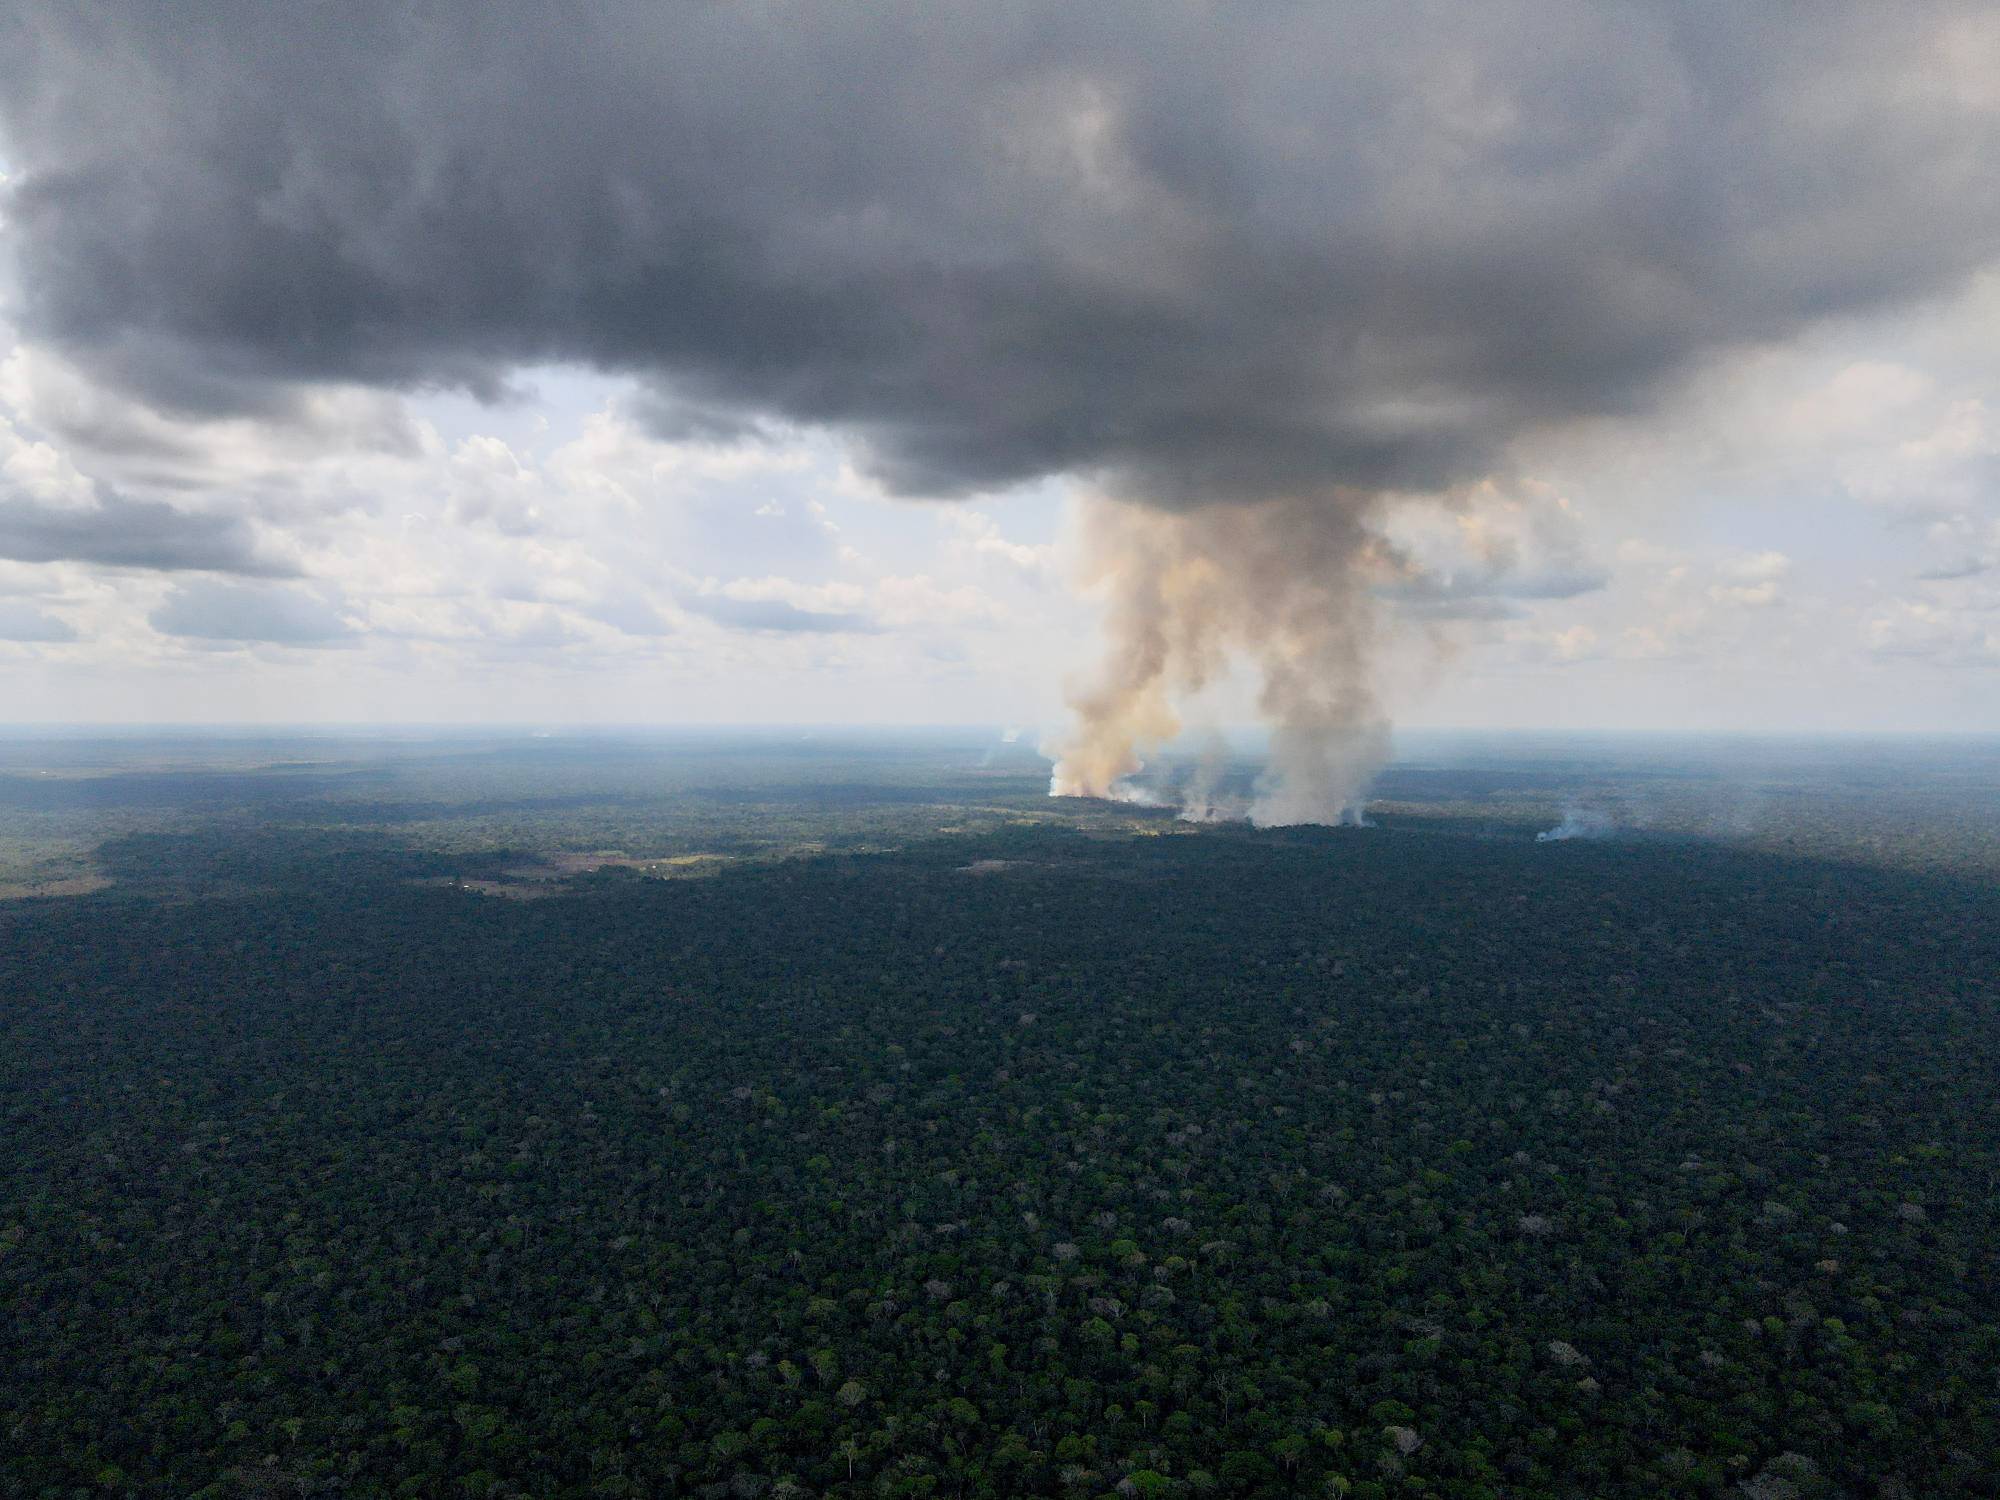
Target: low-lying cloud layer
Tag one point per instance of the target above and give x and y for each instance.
(1299, 261)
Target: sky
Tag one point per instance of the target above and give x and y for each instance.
(1523, 366)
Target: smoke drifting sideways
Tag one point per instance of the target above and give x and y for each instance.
(1250, 270)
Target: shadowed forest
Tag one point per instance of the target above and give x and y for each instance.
(854, 1121)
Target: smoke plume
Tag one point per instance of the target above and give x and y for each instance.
(1247, 267)
(1578, 822)
(1281, 585)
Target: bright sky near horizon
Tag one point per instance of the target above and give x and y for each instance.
(1794, 528)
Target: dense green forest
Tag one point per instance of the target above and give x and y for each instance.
(1023, 1160)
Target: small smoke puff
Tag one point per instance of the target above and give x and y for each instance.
(1578, 823)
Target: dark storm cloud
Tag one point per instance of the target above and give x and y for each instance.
(121, 533)
(1209, 251)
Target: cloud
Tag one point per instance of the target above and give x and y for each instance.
(23, 622)
(1948, 465)
(1755, 580)
(630, 614)
(1971, 567)
(977, 536)
(122, 533)
(1756, 567)
(920, 600)
(1923, 629)
(1489, 595)
(213, 611)
(1480, 553)
(1206, 253)
(774, 614)
(540, 629)
(489, 483)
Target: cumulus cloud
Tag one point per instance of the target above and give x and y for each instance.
(1919, 628)
(977, 537)
(1755, 579)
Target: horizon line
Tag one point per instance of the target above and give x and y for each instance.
(1019, 732)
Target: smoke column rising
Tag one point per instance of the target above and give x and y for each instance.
(1280, 584)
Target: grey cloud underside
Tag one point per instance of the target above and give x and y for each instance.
(23, 622)
(1205, 252)
(210, 610)
(631, 616)
(1971, 567)
(1492, 593)
(775, 615)
(123, 533)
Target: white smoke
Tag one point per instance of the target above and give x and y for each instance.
(1284, 586)
(1578, 822)
(1201, 797)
